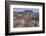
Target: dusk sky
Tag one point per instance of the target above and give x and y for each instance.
(22, 9)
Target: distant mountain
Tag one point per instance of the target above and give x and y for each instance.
(34, 13)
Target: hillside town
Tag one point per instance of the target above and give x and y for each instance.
(25, 19)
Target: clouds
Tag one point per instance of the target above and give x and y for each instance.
(22, 9)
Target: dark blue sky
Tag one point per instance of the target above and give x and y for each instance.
(22, 9)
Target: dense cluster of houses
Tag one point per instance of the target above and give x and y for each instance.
(24, 19)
